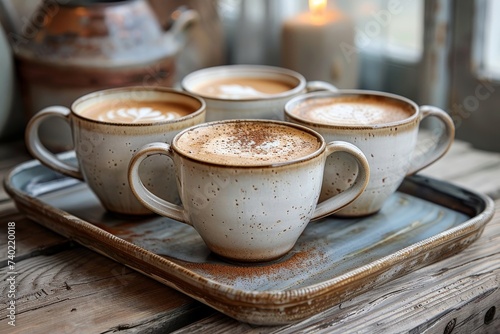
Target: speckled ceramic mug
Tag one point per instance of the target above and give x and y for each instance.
(248, 187)
(248, 91)
(385, 127)
(107, 128)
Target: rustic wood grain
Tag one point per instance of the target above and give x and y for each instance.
(7, 210)
(468, 168)
(11, 154)
(78, 291)
(31, 239)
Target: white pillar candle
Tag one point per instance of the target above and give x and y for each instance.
(319, 43)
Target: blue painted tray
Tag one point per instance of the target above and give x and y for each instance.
(334, 260)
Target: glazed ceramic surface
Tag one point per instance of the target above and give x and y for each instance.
(334, 259)
(249, 213)
(104, 149)
(269, 107)
(392, 150)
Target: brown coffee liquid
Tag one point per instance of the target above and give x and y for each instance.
(353, 110)
(247, 143)
(242, 88)
(135, 112)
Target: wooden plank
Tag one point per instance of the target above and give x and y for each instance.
(12, 153)
(3, 194)
(458, 147)
(455, 167)
(78, 290)
(31, 239)
(486, 181)
(457, 290)
(468, 168)
(8, 209)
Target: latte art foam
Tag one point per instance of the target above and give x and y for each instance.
(242, 88)
(135, 112)
(353, 110)
(243, 144)
(235, 92)
(137, 115)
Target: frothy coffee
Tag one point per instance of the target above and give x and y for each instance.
(135, 112)
(247, 143)
(241, 88)
(353, 110)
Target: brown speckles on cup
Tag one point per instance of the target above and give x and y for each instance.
(384, 126)
(104, 146)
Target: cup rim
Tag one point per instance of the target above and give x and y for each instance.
(237, 70)
(110, 91)
(344, 92)
(301, 159)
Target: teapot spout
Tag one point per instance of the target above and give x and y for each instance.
(181, 21)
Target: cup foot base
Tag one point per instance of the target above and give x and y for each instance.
(348, 215)
(256, 263)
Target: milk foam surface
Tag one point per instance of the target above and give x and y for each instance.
(242, 88)
(243, 144)
(135, 112)
(353, 110)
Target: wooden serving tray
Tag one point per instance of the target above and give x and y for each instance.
(334, 260)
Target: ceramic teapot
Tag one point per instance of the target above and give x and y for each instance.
(72, 47)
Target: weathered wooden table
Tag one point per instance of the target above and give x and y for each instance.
(62, 287)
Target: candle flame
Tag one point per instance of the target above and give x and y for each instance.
(317, 6)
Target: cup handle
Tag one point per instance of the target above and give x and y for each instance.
(146, 197)
(39, 151)
(315, 86)
(346, 197)
(434, 152)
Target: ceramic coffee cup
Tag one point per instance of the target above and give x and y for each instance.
(385, 127)
(107, 128)
(248, 91)
(248, 187)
